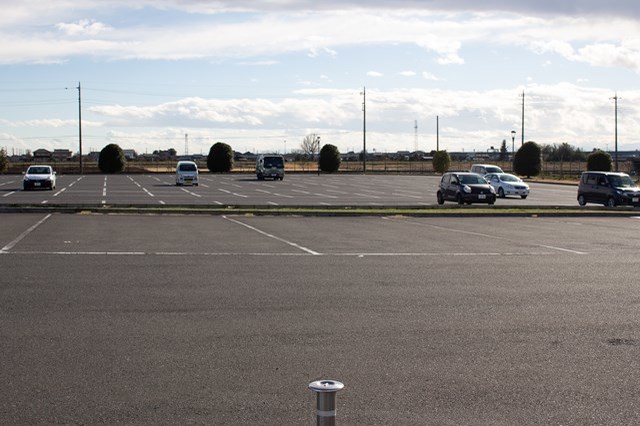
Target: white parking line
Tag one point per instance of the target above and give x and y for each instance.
(191, 193)
(275, 254)
(232, 193)
(292, 244)
(480, 234)
(12, 244)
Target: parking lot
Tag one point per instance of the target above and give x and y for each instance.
(145, 319)
(296, 189)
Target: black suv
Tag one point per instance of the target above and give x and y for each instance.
(608, 188)
(464, 187)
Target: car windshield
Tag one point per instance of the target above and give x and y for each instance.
(494, 169)
(273, 162)
(621, 181)
(38, 171)
(509, 178)
(188, 167)
(472, 179)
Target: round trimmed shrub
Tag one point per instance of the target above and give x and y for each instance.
(220, 158)
(112, 159)
(441, 161)
(329, 160)
(599, 161)
(528, 160)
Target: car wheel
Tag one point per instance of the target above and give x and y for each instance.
(500, 192)
(440, 198)
(492, 202)
(611, 202)
(523, 196)
(459, 199)
(581, 200)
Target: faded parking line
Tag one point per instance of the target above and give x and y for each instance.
(292, 244)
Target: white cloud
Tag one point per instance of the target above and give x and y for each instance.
(83, 27)
(407, 73)
(428, 76)
(374, 74)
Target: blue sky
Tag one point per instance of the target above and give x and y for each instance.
(261, 76)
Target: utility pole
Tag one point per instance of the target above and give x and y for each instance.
(186, 144)
(615, 99)
(522, 132)
(437, 133)
(364, 130)
(80, 125)
(415, 140)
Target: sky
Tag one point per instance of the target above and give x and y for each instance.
(262, 75)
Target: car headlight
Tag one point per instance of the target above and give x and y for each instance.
(466, 189)
(492, 190)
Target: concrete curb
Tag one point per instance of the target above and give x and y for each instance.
(328, 211)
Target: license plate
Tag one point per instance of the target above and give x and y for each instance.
(36, 184)
(481, 197)
(635, 199)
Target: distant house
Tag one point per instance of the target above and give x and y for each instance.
(61, 155)
(42, 155)
(129, 154)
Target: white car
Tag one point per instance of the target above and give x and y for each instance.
(39, 176)
(507, 184)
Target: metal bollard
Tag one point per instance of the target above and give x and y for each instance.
(326, 400)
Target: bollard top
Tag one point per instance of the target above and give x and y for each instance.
(322, 386)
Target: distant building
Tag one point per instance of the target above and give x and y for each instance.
(41, 155)
(61, 155)
(130, 154)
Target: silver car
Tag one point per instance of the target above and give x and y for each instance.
(507, 184)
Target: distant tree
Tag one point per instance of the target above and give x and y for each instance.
(220, 158)
(599, 161)
(504, 153)
(528, 160)
(112, 159)
(310, 145)
(562, 152)
(441, 161)
(329, 160)
(4, 161)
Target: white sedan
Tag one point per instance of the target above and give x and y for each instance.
(507, 184)
(39, 176)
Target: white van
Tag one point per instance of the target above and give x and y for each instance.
(186, 173)
(483, 169)
(270, 165)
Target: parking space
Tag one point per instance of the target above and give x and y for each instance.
(298, 189)
(367, 236)
(226, 319)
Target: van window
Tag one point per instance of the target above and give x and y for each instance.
(187, 167)
(270, 162)
(621, 181)
(590, 179)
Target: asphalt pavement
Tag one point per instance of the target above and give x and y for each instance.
(145, 319)
(246, 190)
